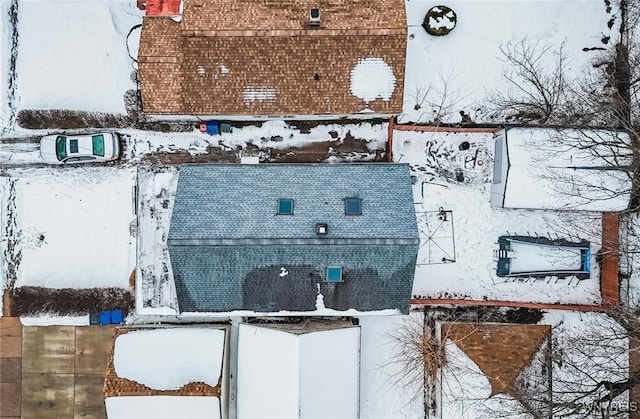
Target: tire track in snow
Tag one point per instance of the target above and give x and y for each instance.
(12, 254)
(11, 90)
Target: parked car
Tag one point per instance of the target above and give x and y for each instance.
(80, 148)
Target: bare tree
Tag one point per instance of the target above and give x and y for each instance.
(436, 102)
(538, 91)
(607, 95)
(592, 364)
(420, 357)
(583, 370)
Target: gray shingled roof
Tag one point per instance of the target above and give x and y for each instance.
(228, 247)
(240, 201)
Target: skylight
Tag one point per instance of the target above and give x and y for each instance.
(334, 274)
(353, 206)
(285, 206)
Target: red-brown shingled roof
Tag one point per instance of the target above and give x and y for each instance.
(501, 351)
(260, 57)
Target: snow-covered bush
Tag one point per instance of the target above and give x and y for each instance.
(439, 20)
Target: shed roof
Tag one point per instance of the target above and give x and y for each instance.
(575, 169)
(501, 351)
(260, 57)
(310, 375)
(186, 361)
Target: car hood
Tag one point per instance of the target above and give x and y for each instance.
(48, 149)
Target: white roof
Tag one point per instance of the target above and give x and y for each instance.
(167, 359)
(283, 375)
(162, 407)
(551, 169)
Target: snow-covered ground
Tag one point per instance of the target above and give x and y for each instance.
(55, 320)
(74, 228)
(5, 53)
(584, 351)
(20, 153)
(73, 55)
(278, 135)
(459, 230)
(591, 347)
(383, 394)
(455, 72)
(5, 232)
(271, 134)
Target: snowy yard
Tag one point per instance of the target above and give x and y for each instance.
(72, 54)
(457, 72)
(382, 394)
(459, 230)
(5, 53)
(73, 228)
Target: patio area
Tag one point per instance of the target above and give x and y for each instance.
(459, 231)
(52, 371)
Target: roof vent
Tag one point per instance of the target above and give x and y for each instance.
(322, 229)
(314, 17)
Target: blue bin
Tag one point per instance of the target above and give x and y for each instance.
(116, 316)
(105, 317)
(213, 128)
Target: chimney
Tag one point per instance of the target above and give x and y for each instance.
(314, 18)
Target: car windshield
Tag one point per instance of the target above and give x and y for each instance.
(61, 147)
(98, 145)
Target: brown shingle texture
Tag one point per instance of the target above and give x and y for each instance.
(501, 351)
(292, 14)
(253, 57)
